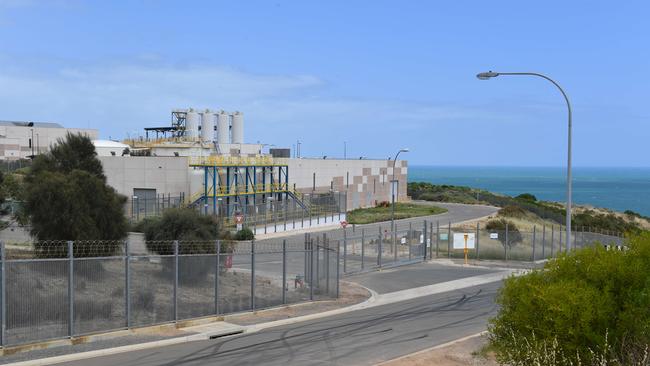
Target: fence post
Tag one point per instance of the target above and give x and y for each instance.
(311, 269)
(478, 231)
(431, 240)
(345, 251)
(505, 247)
(379, 247)
(338, 268)
(127, 284)
(424, 240)
(3, 293)
(317, 261)
(363, 244)
(326, 253)
(216, 277)
(544, 241)
(339, 208)
(306, 263)
(409, 238)
(284, 271)
(395, 243)
(449, 240)
(560, 235)
(552, 238)
(534, 234)
(70, 289)
(253, 274)
(175, 280)
(437, 238)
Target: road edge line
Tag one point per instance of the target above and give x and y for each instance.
(447, 344)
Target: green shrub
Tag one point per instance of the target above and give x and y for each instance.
(182, 224)
(514, 235)
(526, 197)
(583, 303)
(245, 234)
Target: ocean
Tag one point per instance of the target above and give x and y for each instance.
(614, 188)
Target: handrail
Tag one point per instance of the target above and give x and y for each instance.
(221, 160)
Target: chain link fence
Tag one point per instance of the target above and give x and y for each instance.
(369, 248)
(60, 289)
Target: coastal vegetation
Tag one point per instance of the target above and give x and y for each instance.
(588, 307)
(528, 206)
(382, 212)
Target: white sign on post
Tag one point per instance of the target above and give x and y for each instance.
(494, 235)
(459, 240)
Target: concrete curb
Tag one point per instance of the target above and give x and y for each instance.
(107, 351)
(451, 343)
(277, 323)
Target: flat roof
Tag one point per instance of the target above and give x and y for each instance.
(26, 124)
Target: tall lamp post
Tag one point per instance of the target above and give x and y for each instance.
(393, 188)
(491, 74)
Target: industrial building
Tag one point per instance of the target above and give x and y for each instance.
(202, 159)
(22, 140)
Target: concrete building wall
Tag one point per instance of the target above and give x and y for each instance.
(14, 139)
(365, 181)
(167, 175)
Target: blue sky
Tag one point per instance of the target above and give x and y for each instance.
(377, 74)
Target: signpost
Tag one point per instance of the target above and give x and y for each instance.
(239, 220)
(464, 241)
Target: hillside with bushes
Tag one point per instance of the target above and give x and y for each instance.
(528, 206)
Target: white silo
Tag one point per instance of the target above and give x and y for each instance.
(191, 125)
(207, 126)
(238, 128)
(223, 127)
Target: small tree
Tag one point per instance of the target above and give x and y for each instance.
(67, 198)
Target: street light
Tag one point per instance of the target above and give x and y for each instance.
(393, 189)
(491, 74)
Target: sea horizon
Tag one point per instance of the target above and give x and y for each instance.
(615, 188)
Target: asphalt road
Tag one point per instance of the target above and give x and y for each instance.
(416, 275)
(362, 337)
(269, 263)
(456, 213)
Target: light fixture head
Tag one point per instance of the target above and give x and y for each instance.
(487, 75)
